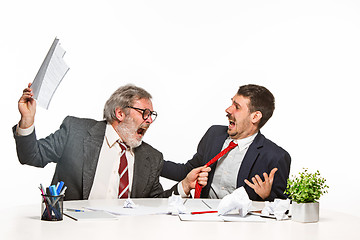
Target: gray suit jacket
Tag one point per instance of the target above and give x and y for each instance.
(75, 149)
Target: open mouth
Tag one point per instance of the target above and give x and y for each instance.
(141, 131)
(231, 121)
(231, 124)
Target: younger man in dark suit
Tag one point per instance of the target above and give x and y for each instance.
(254, 155)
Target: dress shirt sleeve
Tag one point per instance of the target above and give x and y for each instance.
(24, 131)
(181, 191)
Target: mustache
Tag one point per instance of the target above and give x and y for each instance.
(144, 125)
(230, 117)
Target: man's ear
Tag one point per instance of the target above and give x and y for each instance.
(120, 115)
(255, 117)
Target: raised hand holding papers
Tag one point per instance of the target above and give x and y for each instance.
(50, 74)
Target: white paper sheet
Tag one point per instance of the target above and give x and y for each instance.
(90, 216)
(206, 217)
(215, 217)
(139, 210)
(52, 71)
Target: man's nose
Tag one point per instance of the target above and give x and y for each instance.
(149, 120)
(228, 110)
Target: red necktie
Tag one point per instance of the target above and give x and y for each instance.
(198, 187)
(123, 173)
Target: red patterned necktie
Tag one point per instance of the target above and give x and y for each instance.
(123, 173)
(198, 187)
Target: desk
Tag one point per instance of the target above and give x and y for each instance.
(24, 222)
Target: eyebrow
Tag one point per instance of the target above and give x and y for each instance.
(237, 104)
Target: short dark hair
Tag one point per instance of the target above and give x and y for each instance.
(261, 99)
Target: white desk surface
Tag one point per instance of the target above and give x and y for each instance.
(24, 222)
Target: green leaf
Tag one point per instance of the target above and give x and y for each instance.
(306, 187)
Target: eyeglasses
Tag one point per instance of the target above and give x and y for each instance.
(146, 113)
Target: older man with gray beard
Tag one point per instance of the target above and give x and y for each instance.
(101, 159)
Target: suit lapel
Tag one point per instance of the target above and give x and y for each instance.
(142, 168)
(249, 159)
(92, 146)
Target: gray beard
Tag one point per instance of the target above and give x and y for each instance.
(127, 130)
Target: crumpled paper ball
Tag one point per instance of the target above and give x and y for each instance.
(176, 204)
(278, 208)
(238, 200)
(129, 204)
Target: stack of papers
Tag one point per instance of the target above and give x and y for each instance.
(50, 74)
(90, 215)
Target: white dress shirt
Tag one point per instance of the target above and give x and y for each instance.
(227, 167)
(106, 181)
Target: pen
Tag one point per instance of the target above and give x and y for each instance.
(202, 212)
(63, 190)
(74, 210)
(43, 191)
(47, 209)
(206, 204)
(52, 189)
(59, 187)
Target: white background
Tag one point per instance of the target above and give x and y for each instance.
(192, 56)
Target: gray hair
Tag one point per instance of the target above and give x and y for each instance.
(124, 96)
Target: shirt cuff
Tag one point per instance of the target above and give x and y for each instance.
(24, 131)
(181, 190)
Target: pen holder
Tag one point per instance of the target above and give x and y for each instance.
(52, 207)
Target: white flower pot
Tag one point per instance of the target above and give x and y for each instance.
(305, 212)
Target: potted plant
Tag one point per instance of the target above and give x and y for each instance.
(305, 191)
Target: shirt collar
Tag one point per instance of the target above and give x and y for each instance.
(111, 135)
(244, 142)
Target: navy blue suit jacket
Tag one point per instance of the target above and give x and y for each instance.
(262, 156)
